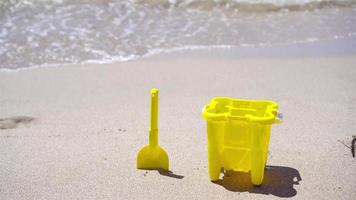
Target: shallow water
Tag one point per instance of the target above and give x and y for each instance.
(35, 33)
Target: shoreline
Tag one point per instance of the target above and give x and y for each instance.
(341, 46)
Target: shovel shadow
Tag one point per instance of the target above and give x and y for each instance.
(169, 174)
(278, 181)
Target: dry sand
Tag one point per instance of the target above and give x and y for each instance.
(73, 132)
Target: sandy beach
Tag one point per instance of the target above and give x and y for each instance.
(72, 132)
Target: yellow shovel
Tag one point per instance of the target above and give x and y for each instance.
(153, 156)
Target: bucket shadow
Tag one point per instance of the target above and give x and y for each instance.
(278, 181)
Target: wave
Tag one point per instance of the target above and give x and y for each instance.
(237, 5)
(250, 5)
(51, 32)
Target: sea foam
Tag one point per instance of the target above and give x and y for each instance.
(49, 33)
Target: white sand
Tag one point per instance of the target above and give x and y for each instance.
(90, 121)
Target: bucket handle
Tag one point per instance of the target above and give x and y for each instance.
(279, 118)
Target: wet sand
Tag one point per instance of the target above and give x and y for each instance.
(73, 132)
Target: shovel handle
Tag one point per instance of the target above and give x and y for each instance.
(154, 118)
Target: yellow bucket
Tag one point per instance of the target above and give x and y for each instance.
(238, 135)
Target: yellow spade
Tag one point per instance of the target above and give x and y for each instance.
(153, 156)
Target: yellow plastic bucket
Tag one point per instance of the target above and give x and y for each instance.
(238, 135)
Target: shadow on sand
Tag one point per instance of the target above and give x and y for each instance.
(278, 181)
(169, 174)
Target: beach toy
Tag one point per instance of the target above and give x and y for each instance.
(153, 156)
(238, 135)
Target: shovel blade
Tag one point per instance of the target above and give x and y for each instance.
(152, 158)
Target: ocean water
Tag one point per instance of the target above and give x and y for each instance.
(51, 32)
